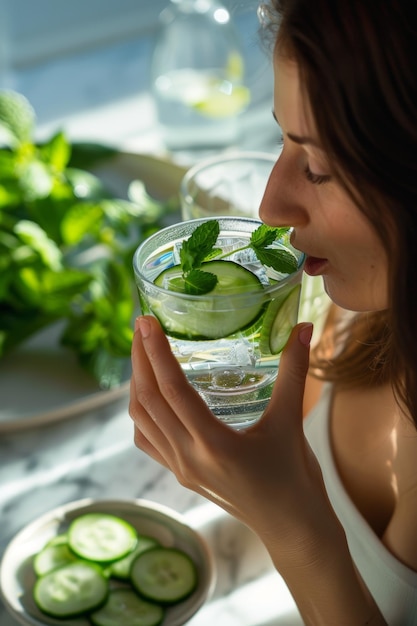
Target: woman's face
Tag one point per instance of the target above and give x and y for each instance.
(339, 242)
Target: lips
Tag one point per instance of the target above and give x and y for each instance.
(314, 266)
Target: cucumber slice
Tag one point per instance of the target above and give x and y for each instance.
(125, 608)
(52, 556)
(202, 317)
(280, 318)
(121, 569)
(101, 538)
(71, 590)
(164, 575)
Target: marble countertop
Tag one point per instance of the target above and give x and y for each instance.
(101, 95)
(93, 456)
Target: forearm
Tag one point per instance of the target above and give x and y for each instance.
(326, 585)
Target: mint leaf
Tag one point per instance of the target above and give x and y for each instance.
(199, 247)
(195, 249)
(213, 254)
(17, 116)
(263, 236)
(280, 260)
(198, 282)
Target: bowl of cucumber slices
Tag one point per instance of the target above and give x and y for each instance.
(107, 563)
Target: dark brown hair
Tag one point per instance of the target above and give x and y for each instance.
(357, 64)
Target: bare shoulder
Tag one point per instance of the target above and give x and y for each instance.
(375, 451)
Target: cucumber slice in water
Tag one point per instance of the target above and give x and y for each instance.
(100, 537)
(71, 590)
(125, 608)
(280, 318)
(164, 575)
(202, 318)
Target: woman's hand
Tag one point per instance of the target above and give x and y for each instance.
(266, 476)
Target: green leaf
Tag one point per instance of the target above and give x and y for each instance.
(85, 185)
(280, 260)
(51, 215)
(36, 180)
(35, 237)
(56, 152)
(48, 290)
(118, 212)
(80, 220)
(10, 194)
(8, 162)
(198, 282)
(100, 327)
(16, 115)
(195, 249)
(212, 254)
(264, 236)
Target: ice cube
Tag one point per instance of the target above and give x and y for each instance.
(176, 252)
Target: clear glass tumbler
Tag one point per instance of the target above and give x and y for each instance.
(229, 341)
(229, 184)
(233, 183)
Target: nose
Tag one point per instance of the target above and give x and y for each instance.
(284, 199)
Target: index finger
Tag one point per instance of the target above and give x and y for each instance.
(172, 383)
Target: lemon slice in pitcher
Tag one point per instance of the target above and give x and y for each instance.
(222, 101)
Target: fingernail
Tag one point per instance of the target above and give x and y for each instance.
(143, 326)
(305, 334)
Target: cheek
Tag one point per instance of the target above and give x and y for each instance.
(359, 281)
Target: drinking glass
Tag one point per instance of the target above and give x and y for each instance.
(233, 184)
(228, 344)
(229, 184)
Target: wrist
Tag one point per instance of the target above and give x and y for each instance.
(324, 581)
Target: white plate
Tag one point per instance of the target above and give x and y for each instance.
(41, 382)
(168, 527)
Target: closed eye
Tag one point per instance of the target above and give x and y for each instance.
(316, 179)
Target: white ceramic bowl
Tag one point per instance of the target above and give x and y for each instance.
(17, 576)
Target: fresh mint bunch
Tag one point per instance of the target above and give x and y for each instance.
(66, 244)
(200, 247)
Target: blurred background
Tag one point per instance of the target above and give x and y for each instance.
(86, 67)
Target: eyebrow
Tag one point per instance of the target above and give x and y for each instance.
(299, 139)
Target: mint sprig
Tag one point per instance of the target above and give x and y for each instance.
(200, 247)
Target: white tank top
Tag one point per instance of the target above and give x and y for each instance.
(391, 583)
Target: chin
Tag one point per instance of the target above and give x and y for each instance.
(352, 300)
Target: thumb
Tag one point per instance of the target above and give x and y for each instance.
(288, 392)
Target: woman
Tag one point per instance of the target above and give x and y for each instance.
(333, 498)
